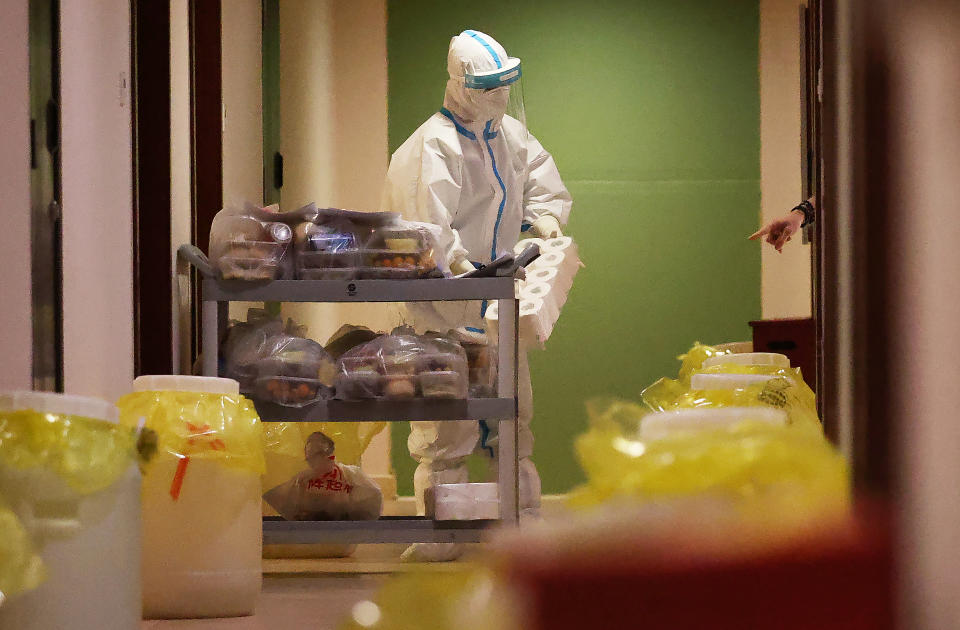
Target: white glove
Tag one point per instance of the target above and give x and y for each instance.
(461, 266)
(547, 226)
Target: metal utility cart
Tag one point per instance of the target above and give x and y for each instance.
(216, 296)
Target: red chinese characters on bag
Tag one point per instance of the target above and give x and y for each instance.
(331, 481)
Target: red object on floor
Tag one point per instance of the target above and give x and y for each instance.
(842, 581)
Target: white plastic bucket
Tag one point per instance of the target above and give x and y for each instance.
(90, 546)
(202, 550)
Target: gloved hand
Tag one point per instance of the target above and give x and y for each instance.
(781, 230)
(547, 226)
(461, 266)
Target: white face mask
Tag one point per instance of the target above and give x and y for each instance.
(492, 104)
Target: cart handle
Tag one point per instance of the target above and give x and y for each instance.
(195, 256)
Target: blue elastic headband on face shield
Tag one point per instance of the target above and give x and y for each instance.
(496, 78)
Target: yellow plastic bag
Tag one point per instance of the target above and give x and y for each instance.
(21, 569)
(790, 392)
(463, 598)
(199, 426)
(664, 393)
(754, 468)
(803, 392)
(88, 455)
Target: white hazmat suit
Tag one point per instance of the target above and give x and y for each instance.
(477, 173)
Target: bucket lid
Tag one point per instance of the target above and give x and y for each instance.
(728, 381)
(750, 358)
(59, 404)
(178, 383)
(656, 426)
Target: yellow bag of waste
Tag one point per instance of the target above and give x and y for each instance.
(803, 391)
(664, 393)
(750, 465)
(779, 391)
(89, 455)
(222, 428)
(85, 455)
(787, 391)
(21, 569)
(463, 598)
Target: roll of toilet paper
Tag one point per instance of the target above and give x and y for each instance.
(563, 244)
(543, 292)
(563, 262)
(522, 245)
(533, 324)
(543, 274)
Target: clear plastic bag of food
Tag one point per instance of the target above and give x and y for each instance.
(443, 370)
(293, 372)
(326, 490)
(401, 250)
(329, 250)
(248, 342)
(482, 366)
(401, 366)
(253, 243)
(330, 245)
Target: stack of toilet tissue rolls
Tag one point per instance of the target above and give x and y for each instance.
(544, 292)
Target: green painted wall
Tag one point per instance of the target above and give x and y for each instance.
(651, 109)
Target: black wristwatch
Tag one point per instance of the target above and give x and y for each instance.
(809, 214)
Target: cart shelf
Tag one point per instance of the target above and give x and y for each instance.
(390, 410)
(389, 529)
(444, 289)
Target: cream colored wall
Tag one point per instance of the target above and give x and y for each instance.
(241, 25)
(180, 172)
(97, 187)
(15, 316)
(333, 119)
(785, 279)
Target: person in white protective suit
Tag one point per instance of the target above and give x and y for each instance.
(474, 170)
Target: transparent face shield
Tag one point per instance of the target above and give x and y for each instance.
(498, 93)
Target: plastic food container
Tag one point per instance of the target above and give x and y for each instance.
(359, 386)
(398, 253)
(290, 391)
(399, 386)
(89, 541)
(327, 265)
(202, 528)
(443, 385)
(250, 269)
